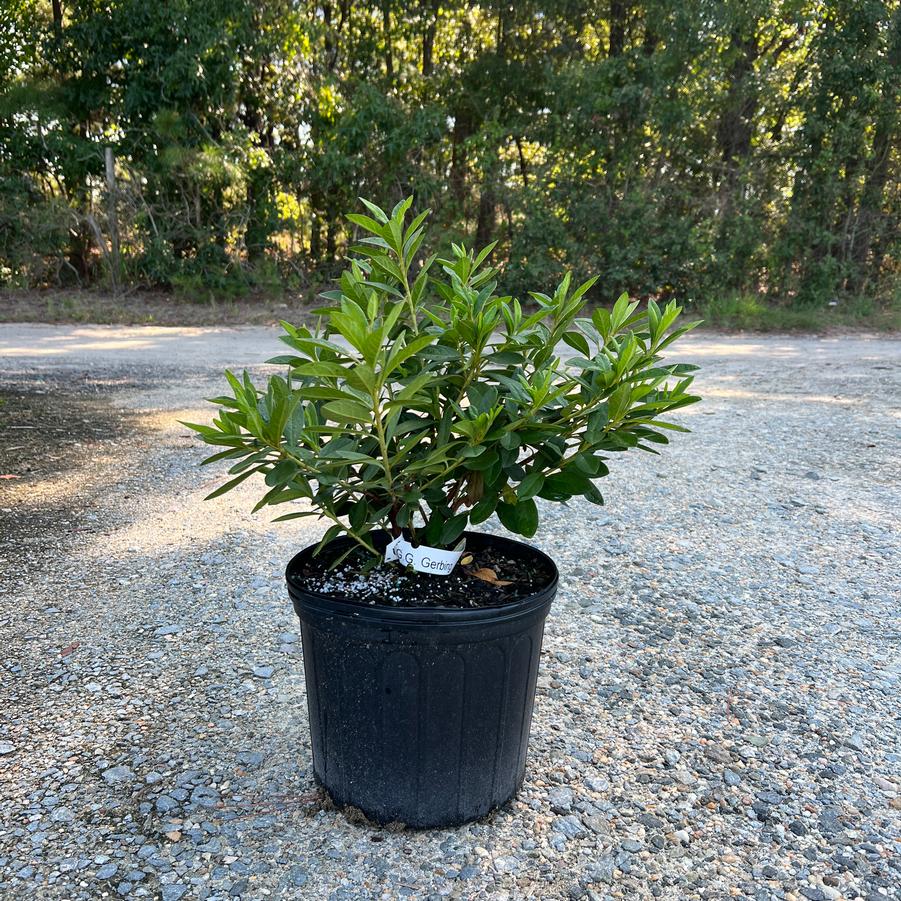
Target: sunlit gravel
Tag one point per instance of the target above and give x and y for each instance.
(718, 706)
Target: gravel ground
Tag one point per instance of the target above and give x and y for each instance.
(718, 710)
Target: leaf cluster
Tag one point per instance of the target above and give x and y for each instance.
(424, 402)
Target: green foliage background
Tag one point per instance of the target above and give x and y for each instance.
(680, 149)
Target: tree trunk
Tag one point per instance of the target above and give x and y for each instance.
(735, 129)
(112, 218)
(504, 15)
(386, 36)
(463, 128)
(315, 228)
(870, 214)
(257, 193)
(650, 40)
(618, 10)
(430, 14)
(330, 233)
(333, 32)
(487, 209)
(523, 169)
(255, 231)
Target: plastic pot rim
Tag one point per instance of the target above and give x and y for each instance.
(321, 604)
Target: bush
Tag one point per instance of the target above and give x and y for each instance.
(426, 402)
(34, 234)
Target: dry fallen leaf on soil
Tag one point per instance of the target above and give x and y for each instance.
(487, 574)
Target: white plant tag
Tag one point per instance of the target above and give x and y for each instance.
(423, 559)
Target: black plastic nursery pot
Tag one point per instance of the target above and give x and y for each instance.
(421, 715)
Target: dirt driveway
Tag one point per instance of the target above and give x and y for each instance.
(717, 714)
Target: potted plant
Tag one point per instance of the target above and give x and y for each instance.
(422, 404)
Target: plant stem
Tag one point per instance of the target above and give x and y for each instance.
(350, 532)
(408, 294)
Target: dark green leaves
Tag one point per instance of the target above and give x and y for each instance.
(521, 517)
(428, 402)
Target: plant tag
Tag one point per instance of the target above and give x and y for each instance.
(423, 559)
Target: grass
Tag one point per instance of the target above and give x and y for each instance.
(744, 312)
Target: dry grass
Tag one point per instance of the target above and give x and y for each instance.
(147, 308)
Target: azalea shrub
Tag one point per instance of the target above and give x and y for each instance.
(424, 403)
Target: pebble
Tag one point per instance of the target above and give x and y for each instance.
(595, 784)
(118, 775)
(602, 870)
(571, 826)
(166, 804)
(251, 759)
(561, 800)
(173, 892)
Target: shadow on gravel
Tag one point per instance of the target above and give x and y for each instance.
(54, 433)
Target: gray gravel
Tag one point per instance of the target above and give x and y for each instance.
(718, 709)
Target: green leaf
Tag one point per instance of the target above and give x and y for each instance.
(483, 510)
(520, 518)
(298, 515)
(530, 485)
(376, 211)
(454, 528)
(564, 485)
(400, 353)
(366, 223)
(577, 341)
(619, 402)
(485, 460)
(602, 322)
(320, 369)
(440, 353)
(233, 483)
(348, 409)
(281, 473)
